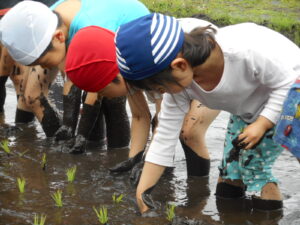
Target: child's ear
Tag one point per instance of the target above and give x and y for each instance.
(59, 35)
(179, 64)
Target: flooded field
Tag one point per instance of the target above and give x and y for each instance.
(94, 185)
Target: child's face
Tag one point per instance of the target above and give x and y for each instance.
(55, 55)
(113, 89)
(182, 73)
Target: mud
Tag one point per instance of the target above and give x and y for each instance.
(94, 185)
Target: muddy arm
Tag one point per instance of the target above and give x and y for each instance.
(90, 113)
(71, 107)
(150, 176)
(140, 126)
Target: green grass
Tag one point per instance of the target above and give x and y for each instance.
(5, 147)
(39, 220)
(280, 15)
(101, 214)
(57, 197)
(117, 199)
(71, 172)
(21, 184)
(170, 212)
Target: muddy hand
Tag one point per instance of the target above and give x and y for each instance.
(136, 173)
(128, 164)
(147, 198)
(63, 133)
(238, 144)
(79, 145)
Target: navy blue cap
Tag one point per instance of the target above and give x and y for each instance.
(147, 45)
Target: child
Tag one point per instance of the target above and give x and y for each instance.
(245, 69)
(286, 132)
(85, 64)
(46, 35)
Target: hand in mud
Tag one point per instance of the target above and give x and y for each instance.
(146, 204)
(238, 144)
(147, 198)
(128, 164)
(136, 173)
(79, 145)
(63, 133)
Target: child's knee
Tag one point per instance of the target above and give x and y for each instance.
(31, 100)
(271, 191)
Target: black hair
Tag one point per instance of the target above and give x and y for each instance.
(116, 80)
(196, 48)
(50, 46)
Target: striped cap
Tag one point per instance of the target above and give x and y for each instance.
(147, 45)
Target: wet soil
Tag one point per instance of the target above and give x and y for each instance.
(94, 185)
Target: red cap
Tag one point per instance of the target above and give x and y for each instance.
(91, 59)
(3, 11)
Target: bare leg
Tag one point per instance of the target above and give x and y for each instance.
(192, 138)
(35, 95)
(19, 77)
(271, 192)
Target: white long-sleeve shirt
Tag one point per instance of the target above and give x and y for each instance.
(260, 65)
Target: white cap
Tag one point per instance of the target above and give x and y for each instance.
(27, 29)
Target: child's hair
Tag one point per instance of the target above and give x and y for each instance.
(116, 80)
(196, 48)
(50, 46)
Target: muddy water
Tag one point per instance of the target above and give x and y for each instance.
(94, 185)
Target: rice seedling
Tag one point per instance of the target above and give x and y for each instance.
(170, 212)
(21, 184)
(101, 214)
(23, 153)
(5, 147)
(57, 197)
(39, 220)
(117, 199)
(44, 161)
(71, 174)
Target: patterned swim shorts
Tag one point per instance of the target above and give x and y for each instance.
(253, 166)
